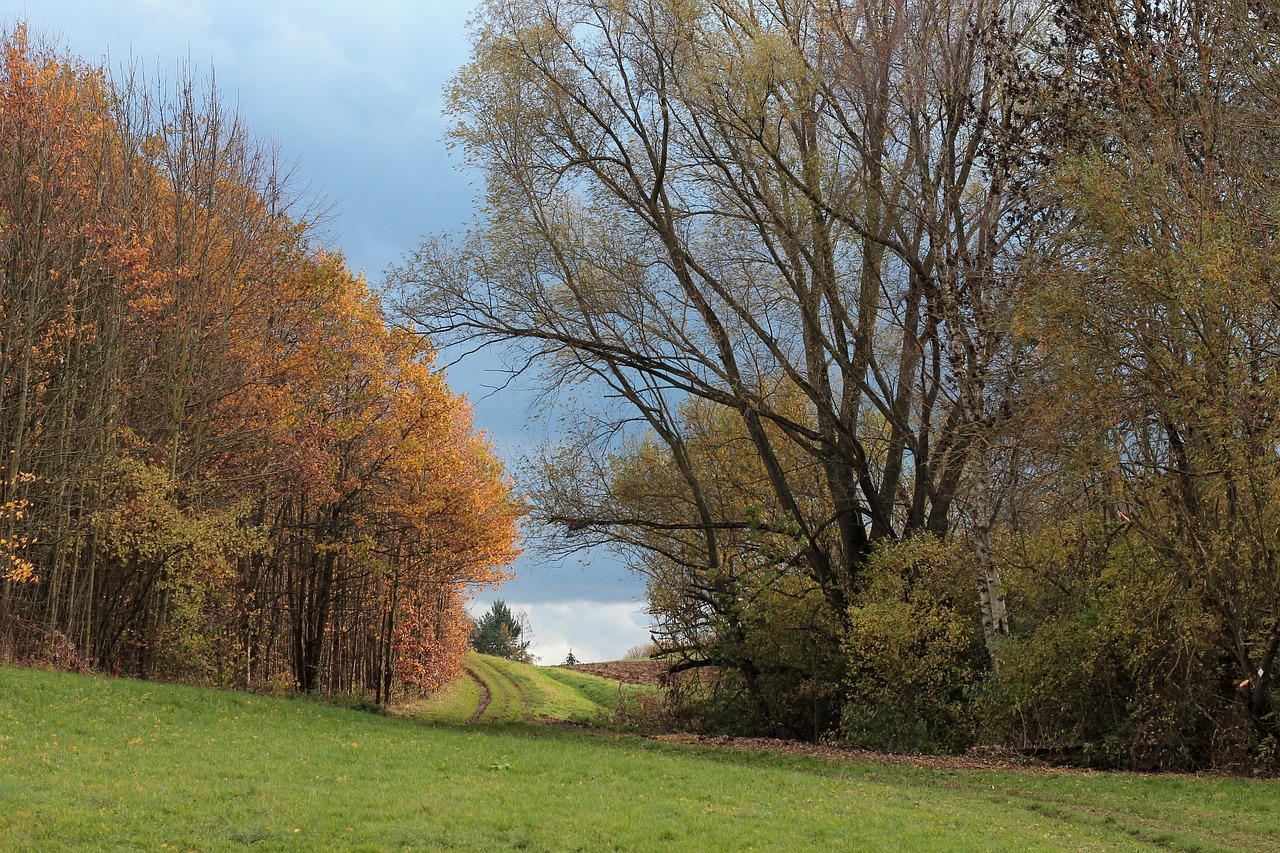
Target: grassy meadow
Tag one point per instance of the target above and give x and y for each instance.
(110, 764)
(514, 692)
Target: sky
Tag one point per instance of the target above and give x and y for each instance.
(354, 93)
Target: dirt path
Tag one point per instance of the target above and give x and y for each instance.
(484, 696)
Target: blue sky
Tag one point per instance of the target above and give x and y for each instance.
(354, 92)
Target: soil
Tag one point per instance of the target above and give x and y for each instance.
(484, 695)
(649, 672)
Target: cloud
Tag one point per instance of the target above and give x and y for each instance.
(353, 91)
(595, 630)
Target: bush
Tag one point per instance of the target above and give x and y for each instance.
(912, 653)
(642, 651)
(31, 644)
(1113, 662)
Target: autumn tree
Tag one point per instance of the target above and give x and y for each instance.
(222, 463)
(66, 259)
(793, 213)
(1161, 316)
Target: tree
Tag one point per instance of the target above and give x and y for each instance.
(794, 214)
(1162, 317)
(221, 463)
(502, 633)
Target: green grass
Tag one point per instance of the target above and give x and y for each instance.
(602, 691)
(111, 764)
(454, 704)
(522, 693)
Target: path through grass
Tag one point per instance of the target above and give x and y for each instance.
(107, 764)
(504, 691)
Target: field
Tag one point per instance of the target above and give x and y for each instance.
(112, 764)
(502, 691)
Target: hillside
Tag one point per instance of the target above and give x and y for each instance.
(497, 690)
(115, 764)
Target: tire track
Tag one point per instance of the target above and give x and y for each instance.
(484, 695)
(520, 690)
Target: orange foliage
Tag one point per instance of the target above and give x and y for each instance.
(162, 316)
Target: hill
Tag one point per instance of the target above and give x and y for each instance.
(93, 763)
(497, 690)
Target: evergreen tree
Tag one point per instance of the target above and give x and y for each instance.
(502, 633)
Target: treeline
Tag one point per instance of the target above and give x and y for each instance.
(932, 349)
(218, 461)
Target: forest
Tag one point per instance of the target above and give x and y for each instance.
(921, 354)
(220, 462)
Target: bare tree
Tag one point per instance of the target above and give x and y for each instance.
(794, 212)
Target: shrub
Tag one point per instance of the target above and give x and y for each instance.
(1113, 661)
(642, 651)
(912, 653)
